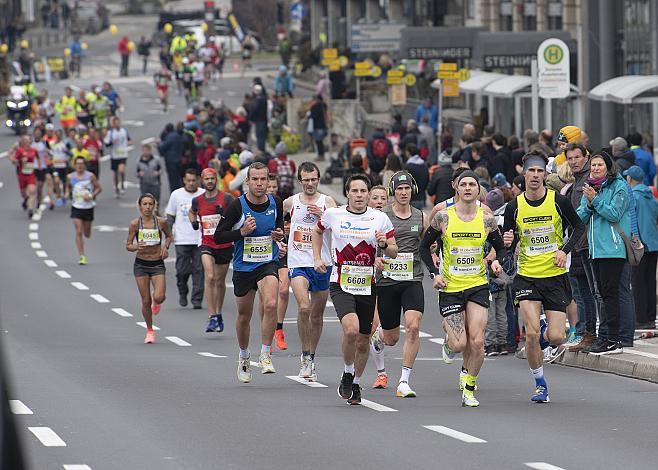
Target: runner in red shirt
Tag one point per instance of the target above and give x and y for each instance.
(206, 212)
(25, 158)
(94, 145)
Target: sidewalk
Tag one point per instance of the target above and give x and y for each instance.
(638, 362)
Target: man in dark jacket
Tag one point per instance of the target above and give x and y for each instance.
(502, 160)
(440, 186)
(171, 149)
(418, 169)
(624, 157)
(258, 116)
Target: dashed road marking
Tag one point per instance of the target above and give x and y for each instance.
(47, 436)
(77, 467)
(79, 286)
(121, 312)
(19, 408)
(50, 263)
(33, 227)
(143, 325)
(209, 354)
(376, 406)
(148, 140)
(456, 434)
(3, 154)
(41, 254)
(542, 466)
(177, 341)
(303, 381)
(35, 245)
(437, 340)
(99, 298)
(33, 236)
(63, 274)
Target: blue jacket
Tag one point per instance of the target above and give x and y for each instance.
(647, 216)
(644, 160)
(433, 111)
(610, 206)
(283, 85)
(171, 148)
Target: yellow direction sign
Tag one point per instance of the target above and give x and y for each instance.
(330, 53)
(450, 88)
(448, 66)
(363, 69)
(376, 71)
(447, 75)
(464, 74)
(394, 77)
(410, 79)
(333, 64)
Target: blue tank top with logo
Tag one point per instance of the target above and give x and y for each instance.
(258, 248)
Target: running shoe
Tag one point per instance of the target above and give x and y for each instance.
(462, 381)
(573, 341)
(355, 398)
(305, 368)
(543, 326)
(554, 353)
(381, 381)
(155, 307)
(404, 391)
(220, 323)
(448, 354)
(266, 366)
(150, 337)
(314, 374)
(213, 324)
(24, 205)
(469, 400)
(30, 213)
(83, 260)
(604, 348)
(345, 387)
(280, 339)
(491, 350)
(520, 353)
(377, 343)
(182, 300)
(244, 370)
(541, 394)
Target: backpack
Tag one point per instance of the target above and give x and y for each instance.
(380, 148)
(286, 178)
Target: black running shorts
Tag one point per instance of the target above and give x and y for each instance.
(244, 281)
(362, 305)
(221, 255)
(455, 302)
(399, 297)
(553, 292)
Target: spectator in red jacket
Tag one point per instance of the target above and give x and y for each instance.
(208, 153)
(124, 51)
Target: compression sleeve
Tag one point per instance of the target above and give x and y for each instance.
(431, 235)
(509, 222)
(496, 241)
(224, 232)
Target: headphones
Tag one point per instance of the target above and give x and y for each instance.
(414, 186)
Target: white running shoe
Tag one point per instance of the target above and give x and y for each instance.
(469, 400)
(448, 354)
(266, 366)
(305, 369)
(404, 390)
(314, 374)
(244, 370)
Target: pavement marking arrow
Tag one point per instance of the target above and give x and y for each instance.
(19, 408)
(47, 436)
(456, 434)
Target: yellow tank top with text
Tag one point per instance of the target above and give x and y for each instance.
(462, 251)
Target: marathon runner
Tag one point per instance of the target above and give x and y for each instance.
(310, 288)
(463, 229)
(25, 158)
(400, 281)
(538, 219)
(66, 108)
(43, 171)
(206, 212)
(145, 235)
(254, 223)
(61, 165)
(82, 187)
(162, 78)
(117, 140)
(356, 232)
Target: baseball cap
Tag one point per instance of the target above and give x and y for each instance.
(400, 178)
(635, 172)
(499, 180)
(569, 134)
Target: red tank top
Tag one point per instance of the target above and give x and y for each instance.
(210, 214)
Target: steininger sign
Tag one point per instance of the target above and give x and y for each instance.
(553, 69)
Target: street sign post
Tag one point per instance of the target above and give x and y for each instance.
(378, 37)
(553, 69)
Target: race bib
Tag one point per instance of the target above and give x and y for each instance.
(356, 280)
(209, 223)
(539, 240)
(302, 238)
(27, 168)
(465, 260)
(150, 236)
(60, 164)
(400, 268)
(79, 193)
(121, 152)
(257, 249)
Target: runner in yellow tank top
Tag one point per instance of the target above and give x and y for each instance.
(462, 230)
(537, 219)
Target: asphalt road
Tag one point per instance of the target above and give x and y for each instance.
(97, 396)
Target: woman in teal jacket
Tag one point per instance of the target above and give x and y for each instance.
(605, 202)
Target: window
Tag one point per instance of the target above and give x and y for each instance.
(506, 16)
(555, 15)
(529, 16)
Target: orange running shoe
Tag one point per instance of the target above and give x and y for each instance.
(155, 307)
(150, 337)
(280, 338)
(381, 381)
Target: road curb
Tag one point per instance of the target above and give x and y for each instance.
(618, 365)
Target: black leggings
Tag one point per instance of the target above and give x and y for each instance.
(607, 272)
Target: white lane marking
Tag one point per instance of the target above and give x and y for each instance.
(302, 380)
(209, 354)
(33, 227)
(255, 364)
(542, 466)
(122, 312)
(456, 434)
(177, 341)
(148, 140)
(104, 158)
(143, 325)
(50, 263)
(376, 406)
(640, 353)
(47, 436)
(77, 467)
(437, 340)
(99, 298)
(2, 185)
(35, 245)
(19, 408)
(63, 274)
(324, 320)
(37, 216)
(33, 236)
(41, 254)
(79, 286)
(3, 154)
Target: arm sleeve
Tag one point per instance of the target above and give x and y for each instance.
(171, 220)
(224, 232)
(510, 222)
(195, 205)
(496, 241)
(279, 212)
(431, 235)
(569, 214)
